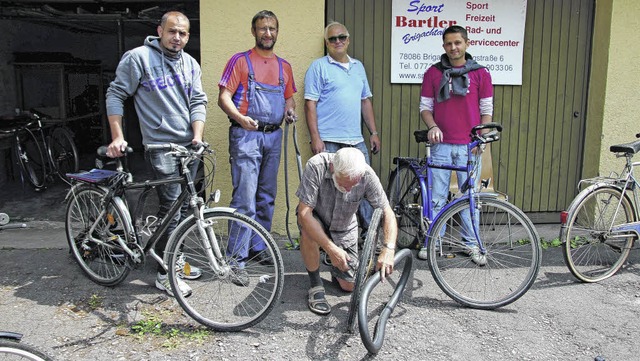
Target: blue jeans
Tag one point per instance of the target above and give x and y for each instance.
(166, 166)
(254, 158)
(456, 154)
(365, 210)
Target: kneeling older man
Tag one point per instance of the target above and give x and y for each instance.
(332, 187)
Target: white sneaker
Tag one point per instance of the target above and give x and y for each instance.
(423, 253)
(186, 270)
(163, 284)
(477, 257)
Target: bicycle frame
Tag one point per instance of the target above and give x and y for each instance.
(631, 184)
(117, 194)
(424, 168)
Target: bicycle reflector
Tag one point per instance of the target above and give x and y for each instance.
(111, 219)
(563, 217)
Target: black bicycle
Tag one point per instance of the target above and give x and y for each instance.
(107, 241)
(41, 154)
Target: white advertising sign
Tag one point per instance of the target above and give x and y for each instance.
(495, 29)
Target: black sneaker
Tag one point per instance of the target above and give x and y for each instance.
(239, 277)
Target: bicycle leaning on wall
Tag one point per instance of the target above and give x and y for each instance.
(41, 154)
(107, 241)
(601, 224)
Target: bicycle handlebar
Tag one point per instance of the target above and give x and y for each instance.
(102, 150)
(179, 150)
(488, 137)
(490, 125)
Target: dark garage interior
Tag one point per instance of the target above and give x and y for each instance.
(58, 59)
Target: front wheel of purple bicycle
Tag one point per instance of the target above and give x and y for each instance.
(494, 274)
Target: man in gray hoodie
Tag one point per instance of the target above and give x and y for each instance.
(165, 83)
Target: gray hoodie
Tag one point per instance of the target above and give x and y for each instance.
(167, 92)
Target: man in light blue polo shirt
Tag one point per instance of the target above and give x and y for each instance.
(337, 98)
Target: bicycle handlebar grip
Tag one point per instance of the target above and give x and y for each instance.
(102, 151)
(491, 125)
(168, 146)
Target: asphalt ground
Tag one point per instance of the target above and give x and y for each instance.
(44, 295)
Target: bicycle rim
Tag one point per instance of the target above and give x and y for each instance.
(105, 263)
(513, 253)
(216, 301)
(64, 153)
(30, 157)
(405, 198)
(590, 251)
(366, 266)
(15, 350)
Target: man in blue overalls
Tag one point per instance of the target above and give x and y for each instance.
(256, 91)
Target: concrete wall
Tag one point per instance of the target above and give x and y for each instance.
(621, 119)
(226, 30)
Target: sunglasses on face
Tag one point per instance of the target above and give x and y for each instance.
(335, 39)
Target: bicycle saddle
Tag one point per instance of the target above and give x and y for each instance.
(628, 148)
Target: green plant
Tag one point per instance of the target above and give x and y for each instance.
(95, 301)
(295, 244)
(151, 325)
(552, 243)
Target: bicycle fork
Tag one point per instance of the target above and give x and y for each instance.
(210, 245)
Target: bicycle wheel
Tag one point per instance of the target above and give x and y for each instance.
(16, 350)
(64, 152)
(229, 300)
(591, 250)
(30, 157)
(96, 249)
(366, 266)
(513, 253)
(405, 198)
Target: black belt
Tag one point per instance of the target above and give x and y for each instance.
(262, 127)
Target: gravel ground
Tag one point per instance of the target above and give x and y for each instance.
(44, 295)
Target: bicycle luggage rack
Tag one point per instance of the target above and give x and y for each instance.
(613, 179)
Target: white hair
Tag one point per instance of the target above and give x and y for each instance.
(332, 24)
(349, 162)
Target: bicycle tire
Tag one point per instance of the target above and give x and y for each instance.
(588, 249)
(16, 350)
(216, 301)
(405, 197)
(366, 266)
(63, 152)
(512, 260)
(106, 264)
(30, 158)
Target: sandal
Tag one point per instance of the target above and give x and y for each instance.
(319, 306)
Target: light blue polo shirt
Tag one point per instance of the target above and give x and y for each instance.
(339, 93)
